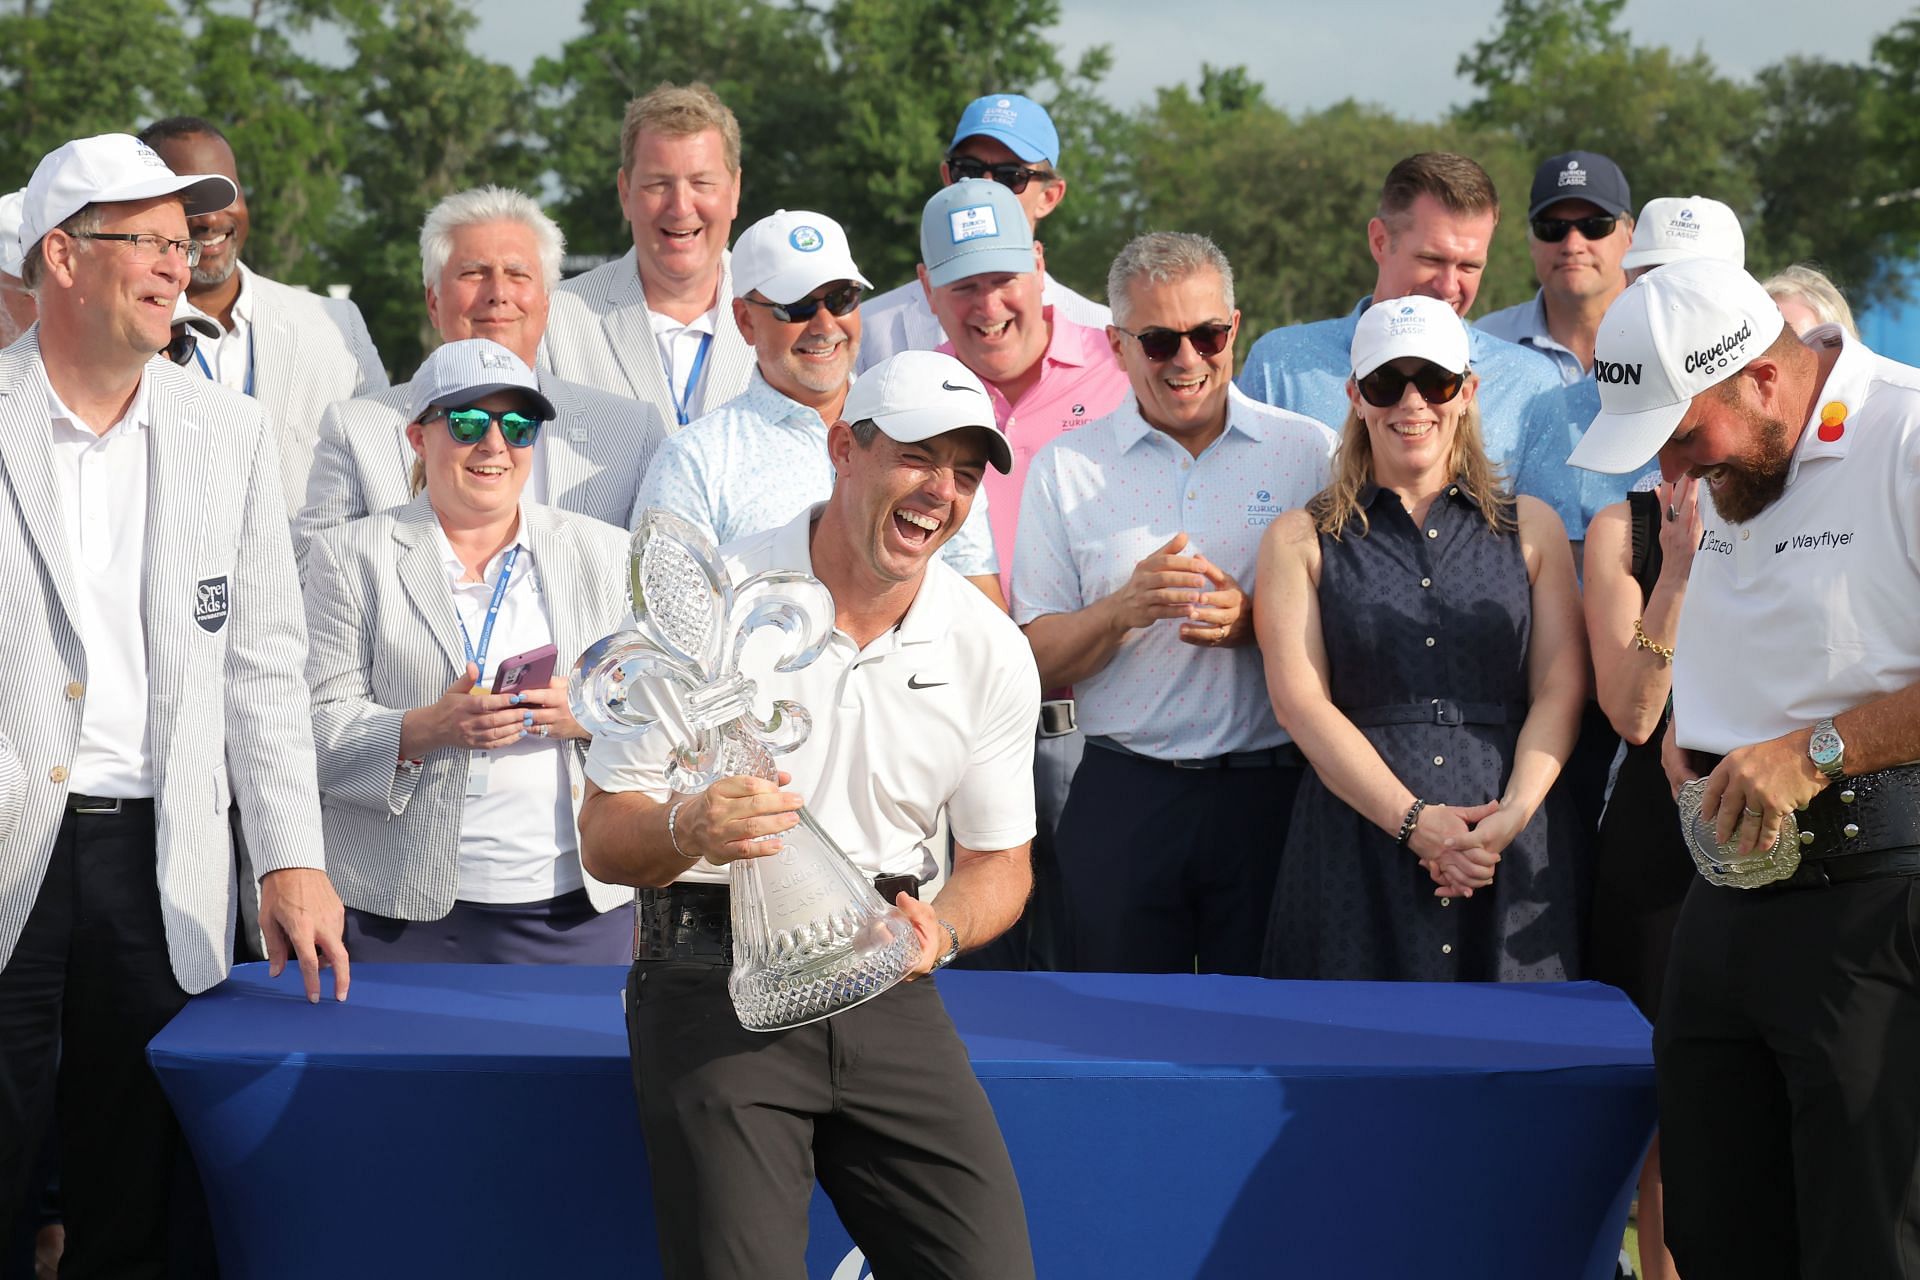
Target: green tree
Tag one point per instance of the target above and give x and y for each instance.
(1813, 159)
(1892, 116)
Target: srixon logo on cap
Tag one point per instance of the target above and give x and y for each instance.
(1626, 375)
(1722, 353)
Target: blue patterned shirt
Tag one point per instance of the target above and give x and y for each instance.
(1525, 324)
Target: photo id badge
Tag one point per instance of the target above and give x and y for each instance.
(478, 763)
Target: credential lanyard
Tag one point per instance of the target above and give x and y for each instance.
(479, 659)
(247, 388)
(685, 398)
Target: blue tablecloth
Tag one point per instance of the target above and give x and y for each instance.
(479, 1121)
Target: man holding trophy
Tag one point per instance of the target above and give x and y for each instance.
(922, 695)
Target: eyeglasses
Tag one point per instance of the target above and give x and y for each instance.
(469, 426)
(148, 247)
(1014, 177)
(1384, 386)
(838, 302)
(181, 347)
(1160, 345)
(1554, 230)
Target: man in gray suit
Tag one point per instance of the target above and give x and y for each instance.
(490, 259)
(155, 652)
(655, 324)
(294, 351)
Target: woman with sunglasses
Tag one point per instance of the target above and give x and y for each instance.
(1423, 647)
(449, 809)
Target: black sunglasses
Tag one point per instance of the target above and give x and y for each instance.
(1014, 177)
(469, 426)
(838, 302)
(1164, 344)
(1554, 230)
(181, 346)
(1384, 386)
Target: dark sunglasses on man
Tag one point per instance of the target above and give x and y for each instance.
(1014, 177)
(469, 425)
(1161, 345)
(181, 346)
(1554, 230)
(1384, 386)
(838, 302)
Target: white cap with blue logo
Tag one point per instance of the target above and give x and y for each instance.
(1425, 328)
(788, 254)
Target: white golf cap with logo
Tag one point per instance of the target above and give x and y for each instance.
(1671, 335)
(472, 369)
(1672, 229)
(11, 252)
(787, 255)
(110, 168)
(1424, 328)
(917, 395)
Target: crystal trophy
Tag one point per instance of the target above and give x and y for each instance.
(811, 935)
(1723, 864)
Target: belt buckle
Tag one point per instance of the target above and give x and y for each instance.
(1719, 864)
(1195, 763)
(1447, 713)
(99, 805)
(1057, 718)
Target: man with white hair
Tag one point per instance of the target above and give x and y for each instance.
(489, 259)
(292, 350)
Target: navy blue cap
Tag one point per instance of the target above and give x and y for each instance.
(1580, 175)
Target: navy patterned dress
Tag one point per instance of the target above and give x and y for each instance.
(1426, 632)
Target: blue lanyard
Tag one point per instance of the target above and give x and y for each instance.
(479, 660)
(246, 389)
(685, 398)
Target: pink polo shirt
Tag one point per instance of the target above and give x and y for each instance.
(1079, 383)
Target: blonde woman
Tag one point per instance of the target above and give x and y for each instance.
(1423, 647)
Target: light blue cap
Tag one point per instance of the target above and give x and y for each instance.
(1021, 123)
(974, 228)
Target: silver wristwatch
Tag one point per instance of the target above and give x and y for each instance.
(951, 952)
(1827, 751)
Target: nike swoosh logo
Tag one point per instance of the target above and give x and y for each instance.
(948, 386)
(913, 683)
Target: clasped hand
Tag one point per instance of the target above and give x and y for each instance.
(487, 721)
(1170, 584)
(1460, 845)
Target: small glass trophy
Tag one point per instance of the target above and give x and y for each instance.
(811, 935)
(1723, 864)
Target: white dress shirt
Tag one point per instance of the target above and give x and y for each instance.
(103, 510)
(680, 345)
(228, 359)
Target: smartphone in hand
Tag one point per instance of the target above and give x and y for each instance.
(523, 671)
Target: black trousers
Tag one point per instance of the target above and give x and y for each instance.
(1788, 1056)
(1171, 870)
(89, 983)
(879, 1102)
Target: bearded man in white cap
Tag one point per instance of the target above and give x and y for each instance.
(157, 642)
(1789, 1034)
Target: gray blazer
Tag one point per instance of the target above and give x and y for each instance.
(225, 688)
(309, 351)
(385, 640)
(596, 453)
(598, 333)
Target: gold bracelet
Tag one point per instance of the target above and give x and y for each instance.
(1641, 639)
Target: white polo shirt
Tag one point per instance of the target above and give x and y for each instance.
(1101, 499)
(938, 711)
(1810, 608)
(227, 359)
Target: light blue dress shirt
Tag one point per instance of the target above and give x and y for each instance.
(760, 459)
(1525, 324)
(1101, 499)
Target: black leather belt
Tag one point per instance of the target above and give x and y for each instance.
(686, 921)
(77, 803)
(1443, 711)
(1858, 828)
(1284, 756)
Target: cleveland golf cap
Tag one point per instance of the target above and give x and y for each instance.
(787, 255)
(111, 168)
(469, 370)
(1425, 328)
(974, 228)
(1675, 228)
(1671, 335)
(916, 395)
(1020, 124)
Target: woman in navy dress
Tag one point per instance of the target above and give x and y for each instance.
(1423, 645)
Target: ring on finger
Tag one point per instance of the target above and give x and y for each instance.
(1751, 812)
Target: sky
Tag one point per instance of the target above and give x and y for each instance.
(1306, 54)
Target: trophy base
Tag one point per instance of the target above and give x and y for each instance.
(776, 997)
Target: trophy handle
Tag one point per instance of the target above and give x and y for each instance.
(600, 689)
(680, 592)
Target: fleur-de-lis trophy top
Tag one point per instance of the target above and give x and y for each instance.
(810, 934)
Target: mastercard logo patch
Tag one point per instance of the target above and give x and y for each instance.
(1833, 421)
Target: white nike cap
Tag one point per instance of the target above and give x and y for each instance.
(1671, 335)
(1673, 229)
(916, 395)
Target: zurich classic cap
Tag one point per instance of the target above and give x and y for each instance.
(472, 369)
(916, 395)
(1426, 328)
(786, 256)
(1671, 335)
(1673, 228)
(1580, 175)
(974, 228)
(108, 169)
(11, 254)
(1022, 124)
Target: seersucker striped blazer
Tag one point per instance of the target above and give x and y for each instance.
(596, 454)
(227, 712)
(598, 333)
(385, 639)
(309, 351)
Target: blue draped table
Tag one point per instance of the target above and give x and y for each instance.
(479, 1121)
